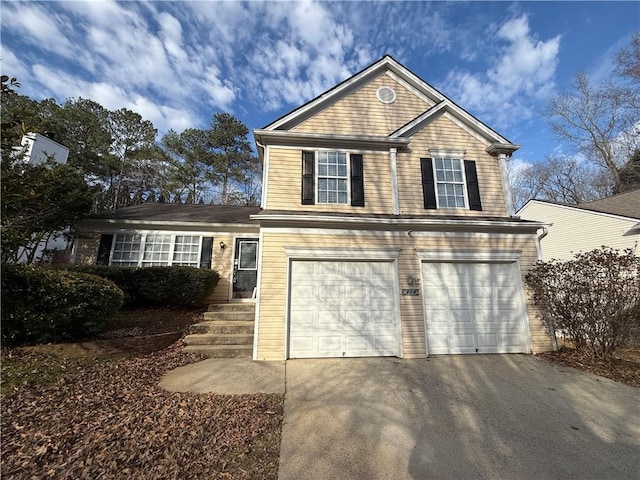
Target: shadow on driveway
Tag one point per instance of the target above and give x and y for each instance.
(476, 416)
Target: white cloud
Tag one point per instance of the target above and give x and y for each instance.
(524, 70)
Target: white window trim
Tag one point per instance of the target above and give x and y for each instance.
(317, 175)
(143, 238)
(464, 182)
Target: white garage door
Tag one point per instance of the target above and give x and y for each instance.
(474, 308)
(343, 309)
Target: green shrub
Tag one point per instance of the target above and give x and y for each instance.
(42, 305)
(157, 286)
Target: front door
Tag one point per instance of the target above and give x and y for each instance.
(245, 267)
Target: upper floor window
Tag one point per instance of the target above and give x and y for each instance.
(333, 176)
(449, 183)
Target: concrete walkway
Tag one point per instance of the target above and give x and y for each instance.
(226, 376)
(476, 416)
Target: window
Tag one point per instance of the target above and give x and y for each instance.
(126, 250)
(186, 250)
(155, 250)
(450, 187)
(333, 177)
(248, 255)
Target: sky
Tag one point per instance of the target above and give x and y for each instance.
(178, 63)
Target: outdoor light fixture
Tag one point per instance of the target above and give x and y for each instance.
(222, 246)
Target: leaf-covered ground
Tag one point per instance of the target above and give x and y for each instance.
(625, 369)
(108, 419)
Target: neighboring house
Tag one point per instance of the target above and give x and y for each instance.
(613, 222)
(384, 229)
(36, 149)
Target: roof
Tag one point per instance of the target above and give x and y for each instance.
(177, 212)
(393, 67)
(626, 204)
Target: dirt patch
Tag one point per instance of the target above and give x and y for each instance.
(624, 369)
(111, 420)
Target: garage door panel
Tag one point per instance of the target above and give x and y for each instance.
(355, 306)
(473, 307)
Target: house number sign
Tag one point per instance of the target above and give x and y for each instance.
(411, 292)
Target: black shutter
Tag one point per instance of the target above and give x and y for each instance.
(473, 189)
(207, 252)
(428, 185)
(308, 178)
(104, 250)
(357, 181)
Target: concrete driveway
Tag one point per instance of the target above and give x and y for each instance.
(480, 416)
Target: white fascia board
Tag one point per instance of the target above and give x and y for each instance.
(111, 223)
(574, 208)
(400, 221)
(466, 255)
(326, 253)
(317, 139)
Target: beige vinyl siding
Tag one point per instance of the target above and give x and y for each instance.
(274, 283)
(576, 230)
(444, 133)
(285, 184)
(361, 113)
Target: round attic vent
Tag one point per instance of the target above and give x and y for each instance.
(386, 95)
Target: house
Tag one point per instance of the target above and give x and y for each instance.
(613, 222)
(36, 149)
(384, 229)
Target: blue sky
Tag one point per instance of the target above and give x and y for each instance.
(177, 63)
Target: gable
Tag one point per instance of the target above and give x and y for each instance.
(362, 113)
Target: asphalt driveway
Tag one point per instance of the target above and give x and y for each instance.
(481, 416)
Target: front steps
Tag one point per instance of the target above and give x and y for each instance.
(226, 332)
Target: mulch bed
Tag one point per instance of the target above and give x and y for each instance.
(618, 369)
(110, 420)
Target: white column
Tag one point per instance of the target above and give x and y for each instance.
(506, 187)
(393, 153)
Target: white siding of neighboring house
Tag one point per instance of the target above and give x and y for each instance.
(38, 148)
(576, 230)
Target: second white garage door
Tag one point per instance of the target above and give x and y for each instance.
(343, 309)
(474, 308)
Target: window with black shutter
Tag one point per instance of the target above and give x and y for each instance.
(308, 178)
(357, 181)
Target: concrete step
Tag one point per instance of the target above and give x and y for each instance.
(230, 339)
(232, 307)
(222, 351)
(222, 327)
(231, 315)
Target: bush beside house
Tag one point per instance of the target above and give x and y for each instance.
(42, 305)
(157, 286)
(592, 300)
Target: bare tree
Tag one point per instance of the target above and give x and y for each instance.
(601, 123)
(560, 179)
(628, 60)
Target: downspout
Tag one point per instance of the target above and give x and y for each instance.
(552, 330)
(263, 205)
(545, 232)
